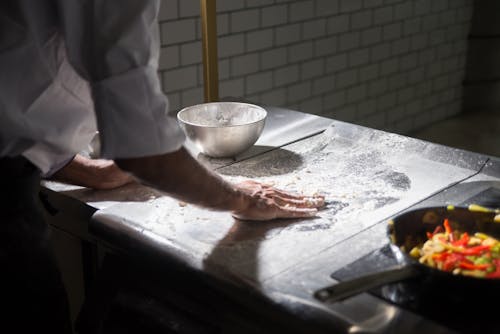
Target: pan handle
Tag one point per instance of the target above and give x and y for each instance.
(345, 289)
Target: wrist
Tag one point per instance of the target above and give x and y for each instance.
(241, 201)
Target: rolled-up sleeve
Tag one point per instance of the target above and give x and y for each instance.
(114, 44)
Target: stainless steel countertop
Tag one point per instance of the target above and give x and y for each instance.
(366, 175)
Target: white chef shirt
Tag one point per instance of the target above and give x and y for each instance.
(46, 108)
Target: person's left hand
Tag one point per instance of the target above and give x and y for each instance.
(93, 173)
(268, 202)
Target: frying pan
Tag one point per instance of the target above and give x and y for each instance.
(408, 230)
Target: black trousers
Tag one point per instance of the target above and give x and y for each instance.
(32, 295)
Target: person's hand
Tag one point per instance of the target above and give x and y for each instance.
(93, 173)
(267, 203)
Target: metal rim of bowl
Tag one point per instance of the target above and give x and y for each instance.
(221, 126)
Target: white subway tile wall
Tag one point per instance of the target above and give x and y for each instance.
(396, 65)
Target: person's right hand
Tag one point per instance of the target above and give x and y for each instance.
(266, 202)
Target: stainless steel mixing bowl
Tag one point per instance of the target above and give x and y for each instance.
(223, 129)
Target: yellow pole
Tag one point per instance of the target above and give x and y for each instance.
(209, 44)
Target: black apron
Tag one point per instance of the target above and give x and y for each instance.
(32, 295)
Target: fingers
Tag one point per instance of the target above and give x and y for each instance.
(273, 211)
(283, 194)
(256, 188)
(294, 212)
(284, 197)
(304, 202)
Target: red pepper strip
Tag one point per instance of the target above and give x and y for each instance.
(438, 229)
(442, 239)
(474, 250)
(440, 259)
(447, 226)
(451, 261)
(472, 266)
(496, 273)
(464, 239)
(440, 256)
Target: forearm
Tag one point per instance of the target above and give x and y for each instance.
(183, 177)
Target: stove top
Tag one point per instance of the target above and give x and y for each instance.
(466, 312)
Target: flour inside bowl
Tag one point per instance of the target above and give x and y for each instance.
(223, 114)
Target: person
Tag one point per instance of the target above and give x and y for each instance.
(58, 59)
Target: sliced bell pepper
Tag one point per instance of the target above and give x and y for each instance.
(475, 250)
(464, 239)
(451, 261)
(447, 226)
(496, 273)
(437, 230)
(471, 266)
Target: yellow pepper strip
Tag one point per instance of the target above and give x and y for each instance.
(415, 252)
(478, 208)
(481, 235)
